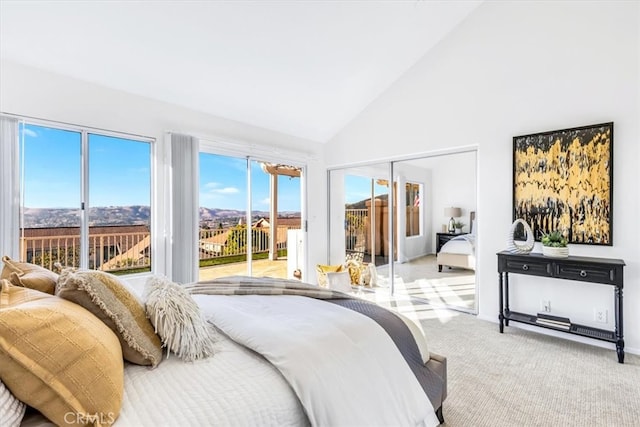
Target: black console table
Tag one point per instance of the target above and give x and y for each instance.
(584, 269)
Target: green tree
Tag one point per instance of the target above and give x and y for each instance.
(237, 239)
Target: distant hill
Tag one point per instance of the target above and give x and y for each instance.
(362, 204)
(126, 215)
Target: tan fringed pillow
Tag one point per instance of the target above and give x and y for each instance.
(108, 298)
(29, 275)
(178, 320)
(58, 358)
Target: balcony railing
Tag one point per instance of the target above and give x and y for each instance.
(128, 252)
(356, 221)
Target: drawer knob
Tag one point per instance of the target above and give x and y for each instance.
(583, 273)
(525, 267)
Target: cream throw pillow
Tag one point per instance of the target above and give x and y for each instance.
(29, 275)
(58, 358)
(177, 320)
(105, 296)
(339, 281)
(322, 270)
(11, 409)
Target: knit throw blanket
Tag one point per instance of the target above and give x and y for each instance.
(246, 285)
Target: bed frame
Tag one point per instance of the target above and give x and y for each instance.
(458, 260)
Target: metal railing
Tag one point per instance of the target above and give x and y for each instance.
(107, 252)
(356, 221)
(132, 251)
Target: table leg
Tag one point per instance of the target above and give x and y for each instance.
(501, 312)
(619, 324)
(506, 296)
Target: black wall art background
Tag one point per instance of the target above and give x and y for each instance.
(563, 180)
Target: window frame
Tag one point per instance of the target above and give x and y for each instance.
(85, 132)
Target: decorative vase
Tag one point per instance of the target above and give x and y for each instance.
(520, 248)
(555, 252)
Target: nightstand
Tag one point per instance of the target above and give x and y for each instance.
(442, 238)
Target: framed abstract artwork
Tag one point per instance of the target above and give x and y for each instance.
(563, 180)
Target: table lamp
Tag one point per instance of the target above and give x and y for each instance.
(453, 213)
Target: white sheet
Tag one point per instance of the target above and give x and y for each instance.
(463, 244)
(342, 365)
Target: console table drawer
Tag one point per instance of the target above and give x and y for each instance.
(534, 267)
(586, 274)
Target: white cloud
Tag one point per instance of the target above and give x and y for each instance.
(227, 190)
(266, 201)
(29, 132)
(216, 188)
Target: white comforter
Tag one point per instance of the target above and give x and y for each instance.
(331, 366)
(463, 244)
(342, 365)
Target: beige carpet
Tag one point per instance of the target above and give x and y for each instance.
(522, 378)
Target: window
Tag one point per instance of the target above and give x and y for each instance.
(413, 203)
(85, 199)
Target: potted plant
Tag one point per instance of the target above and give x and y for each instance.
(458, 226)
(554, 244)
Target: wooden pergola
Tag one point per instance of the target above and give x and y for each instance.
(275, 169)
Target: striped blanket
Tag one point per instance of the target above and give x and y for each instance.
(246, 285)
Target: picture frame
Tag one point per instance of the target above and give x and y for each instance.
(563, 180)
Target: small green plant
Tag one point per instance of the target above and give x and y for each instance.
(554, 239)
(459, 224)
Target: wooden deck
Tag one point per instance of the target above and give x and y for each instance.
(259, 268)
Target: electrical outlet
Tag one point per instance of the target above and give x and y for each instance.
(545, 305)
(600, 315)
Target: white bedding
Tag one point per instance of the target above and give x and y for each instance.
(463, 244)
(236, 387)
(342, 365)
(369, 384)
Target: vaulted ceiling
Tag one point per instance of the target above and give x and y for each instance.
(305, 68)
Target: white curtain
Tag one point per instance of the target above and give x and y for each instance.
(184, 208)
(9, 188)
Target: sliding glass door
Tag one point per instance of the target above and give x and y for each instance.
(250, 217)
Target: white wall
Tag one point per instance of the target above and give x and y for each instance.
(31, 92)
(513, 68)
(453, 183)
(414, 246)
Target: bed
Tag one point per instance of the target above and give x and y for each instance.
(460, 250)
(288, 353)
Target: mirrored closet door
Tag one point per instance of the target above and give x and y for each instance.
(394, 214)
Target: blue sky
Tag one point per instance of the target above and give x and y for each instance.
(358, 188)
(119, 174)
(223, 184)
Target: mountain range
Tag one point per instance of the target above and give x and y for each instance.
(127, 215)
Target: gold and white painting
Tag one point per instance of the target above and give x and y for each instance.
(562, 180)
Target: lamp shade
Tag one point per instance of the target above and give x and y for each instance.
(452, 212)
